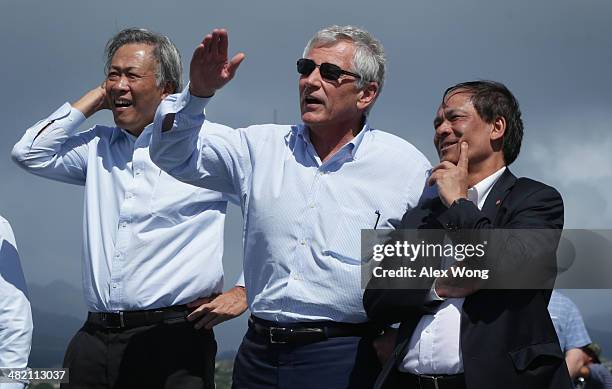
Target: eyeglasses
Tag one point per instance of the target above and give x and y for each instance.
(328, 71)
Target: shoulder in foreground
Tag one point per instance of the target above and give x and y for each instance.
(397, 147)
(253, 130)
(530, 186)
(269, 131)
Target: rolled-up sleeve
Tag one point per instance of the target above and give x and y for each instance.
(52, 147)
(197, 151)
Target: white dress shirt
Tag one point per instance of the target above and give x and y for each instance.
(150, 241)
(434, 347)
(302, 216)
(15, 312)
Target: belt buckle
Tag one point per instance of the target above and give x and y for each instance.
(433, 378)
(107, 317)
(276, 330)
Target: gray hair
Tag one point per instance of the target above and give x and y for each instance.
(165, 53)
(369, 57)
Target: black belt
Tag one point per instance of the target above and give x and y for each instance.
(303, 333)
(453, 381)
(131, 319)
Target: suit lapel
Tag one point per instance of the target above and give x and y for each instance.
(497, 195)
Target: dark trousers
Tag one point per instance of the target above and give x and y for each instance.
(159, 356)
(335, 363)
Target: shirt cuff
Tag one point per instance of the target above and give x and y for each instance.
(432, 296)
(183, 103)
(240, 281)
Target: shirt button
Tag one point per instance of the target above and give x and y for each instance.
(311, 205)
(303, 242)
(115, 286)
(138, 172)
(117, 255)
(129, 195)
(123, 225)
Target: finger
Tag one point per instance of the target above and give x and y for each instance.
(214, 44)
(210, 316)
(201, 311)
(217, 320)
(431, 181)
(442, 166)
(223, 43)
(463, 156)
(234, 63)
(207, 42)
(196, 314)
(199, 52)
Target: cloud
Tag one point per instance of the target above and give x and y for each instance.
(573, 154)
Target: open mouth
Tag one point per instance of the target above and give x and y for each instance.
(310, 100)
(122, 103)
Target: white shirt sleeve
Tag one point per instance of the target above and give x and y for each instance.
(15, 311)
(196, 151)
(53, 149)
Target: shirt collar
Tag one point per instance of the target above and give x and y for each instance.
(352, 146)
(479, 192)
(120, 133)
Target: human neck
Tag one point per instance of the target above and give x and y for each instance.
(327, 140)
(482, 170)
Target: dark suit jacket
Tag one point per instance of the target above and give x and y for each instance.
(507, 337)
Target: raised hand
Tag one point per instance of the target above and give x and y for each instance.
(93, 101)
(210, 69)
(451, 179)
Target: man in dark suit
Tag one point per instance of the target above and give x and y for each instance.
(463, 335)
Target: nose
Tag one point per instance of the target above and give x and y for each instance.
(443, 130)
(314, 78)
(122, 84)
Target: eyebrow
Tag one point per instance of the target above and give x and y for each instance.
(124, 69)
(446, 112)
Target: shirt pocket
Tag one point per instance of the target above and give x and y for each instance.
(536, 355)
(344, 239)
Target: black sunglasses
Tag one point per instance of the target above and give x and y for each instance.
(328, 71)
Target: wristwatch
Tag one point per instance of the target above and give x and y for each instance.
(460, 201)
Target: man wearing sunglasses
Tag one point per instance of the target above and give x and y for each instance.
(307, 190)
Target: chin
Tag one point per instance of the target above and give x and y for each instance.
(450, 158)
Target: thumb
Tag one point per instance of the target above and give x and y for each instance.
(463, 156)
(234, 64)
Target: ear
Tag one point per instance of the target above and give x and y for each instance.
(168, 89)
(499, 128)
(367, 95)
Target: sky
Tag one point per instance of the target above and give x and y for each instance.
(555, 55)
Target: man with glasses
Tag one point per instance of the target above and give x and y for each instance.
(307, 190)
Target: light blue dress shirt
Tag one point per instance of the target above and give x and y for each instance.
(150, 241)
(568, 322)
(302, 217)
(15, 312)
